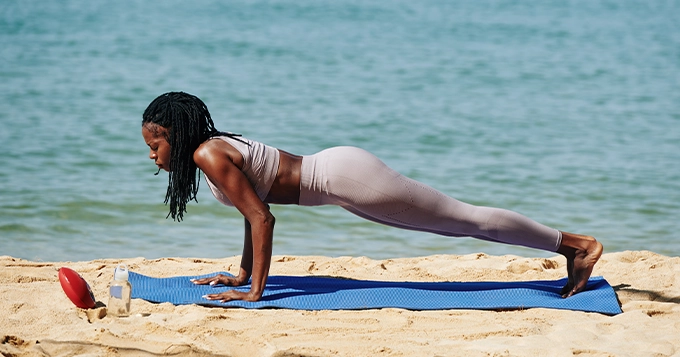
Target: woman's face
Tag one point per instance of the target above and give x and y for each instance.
(154, 136)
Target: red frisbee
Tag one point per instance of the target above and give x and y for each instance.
(76, 288)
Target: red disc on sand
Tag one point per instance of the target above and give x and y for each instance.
(76, 288)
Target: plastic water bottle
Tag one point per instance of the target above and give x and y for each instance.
(119, 293)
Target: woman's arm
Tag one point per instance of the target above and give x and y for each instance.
(246, 268)
(247, 257)
(215, 159)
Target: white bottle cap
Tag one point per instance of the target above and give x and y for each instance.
(121, 273)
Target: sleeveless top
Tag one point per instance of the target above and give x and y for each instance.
(260, 165)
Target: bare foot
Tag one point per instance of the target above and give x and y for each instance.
(582, 252)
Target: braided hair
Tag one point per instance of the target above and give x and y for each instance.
(188, 124)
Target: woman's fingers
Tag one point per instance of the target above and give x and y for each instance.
(214, 280)
(229, 296)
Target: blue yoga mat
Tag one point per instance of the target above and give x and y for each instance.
(323, 293)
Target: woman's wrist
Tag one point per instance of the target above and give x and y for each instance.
(253, 295)
(242, 279)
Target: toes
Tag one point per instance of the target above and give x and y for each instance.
(575, 290)
(566, 289)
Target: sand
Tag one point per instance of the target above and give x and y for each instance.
(36, 318)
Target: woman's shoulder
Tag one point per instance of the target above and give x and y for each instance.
(212, 152)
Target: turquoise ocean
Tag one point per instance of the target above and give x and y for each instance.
(565, 111)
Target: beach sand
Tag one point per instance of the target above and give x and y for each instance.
(36, 318)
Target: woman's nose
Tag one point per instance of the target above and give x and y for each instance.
(152, 155)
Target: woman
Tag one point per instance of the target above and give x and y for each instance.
(249, 175)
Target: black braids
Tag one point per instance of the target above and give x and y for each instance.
(189, 124)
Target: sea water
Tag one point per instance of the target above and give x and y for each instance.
(567, 112)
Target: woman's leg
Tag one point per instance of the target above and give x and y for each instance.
(364, 185)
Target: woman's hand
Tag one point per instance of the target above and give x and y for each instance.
(221, 279)
(231, 294)
(234, 295)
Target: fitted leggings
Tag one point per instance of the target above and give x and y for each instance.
(359, 182)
